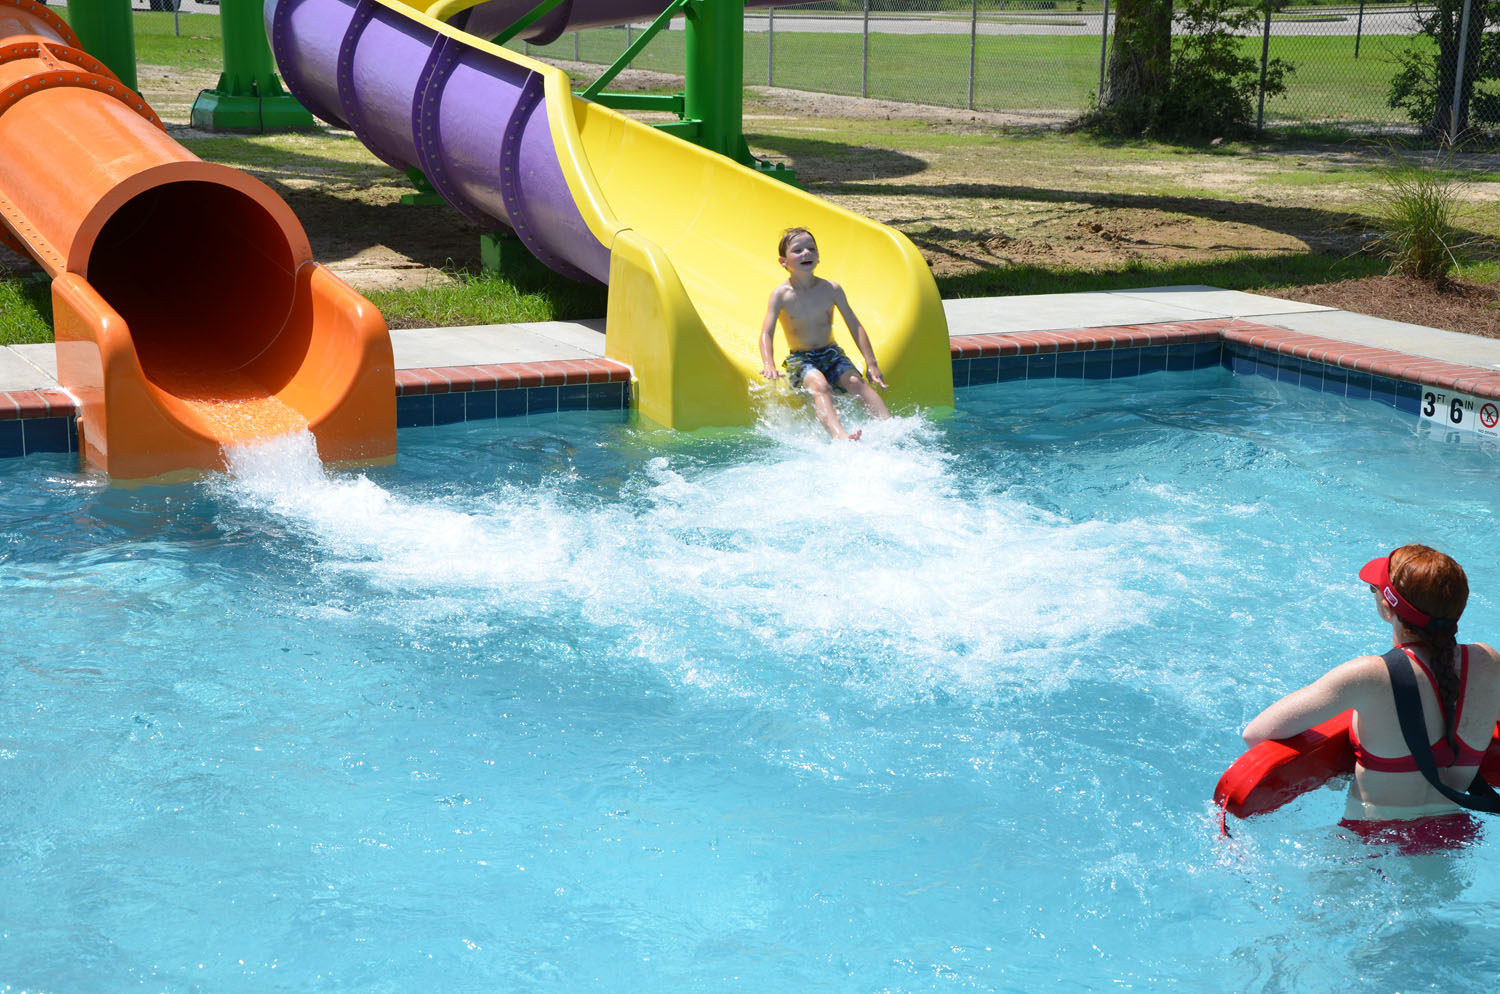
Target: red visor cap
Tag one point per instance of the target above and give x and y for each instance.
(1377, 572)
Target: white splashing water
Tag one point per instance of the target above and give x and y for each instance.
(881, 549)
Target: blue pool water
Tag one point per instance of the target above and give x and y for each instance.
(569, 705)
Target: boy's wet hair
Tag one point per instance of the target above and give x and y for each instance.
(788, 235)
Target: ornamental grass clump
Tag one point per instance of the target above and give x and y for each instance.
(1417, 212)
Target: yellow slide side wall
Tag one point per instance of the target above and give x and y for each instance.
(718, 224)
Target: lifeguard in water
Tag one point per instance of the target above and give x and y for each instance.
(1420, 593)
(804, 307)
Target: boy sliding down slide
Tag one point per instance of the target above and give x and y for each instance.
(804, 304)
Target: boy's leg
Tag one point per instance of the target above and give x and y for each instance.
(853, 383)
(822, 395)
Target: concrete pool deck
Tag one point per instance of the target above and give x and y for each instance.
(570, 354)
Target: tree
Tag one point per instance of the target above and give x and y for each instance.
(1185, 76)
(1139, 60)
(1425, 84)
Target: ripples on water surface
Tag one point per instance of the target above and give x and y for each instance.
(573, 706)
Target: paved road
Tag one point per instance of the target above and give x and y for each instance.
(1314, 22)
(1311, 21)
(184, 6)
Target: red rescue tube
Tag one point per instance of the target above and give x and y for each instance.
(1272, 773)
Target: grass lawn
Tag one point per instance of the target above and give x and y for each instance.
(1015, 72)
(920, 174)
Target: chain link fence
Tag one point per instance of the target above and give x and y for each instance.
(1044, 60)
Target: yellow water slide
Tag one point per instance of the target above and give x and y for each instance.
(685, 238)
(691, 277)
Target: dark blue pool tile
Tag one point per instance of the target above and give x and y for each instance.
(573, 398)
(1098, 364)
(960, 373)
(12, 443)
(1408, 397)
(1011, 367)
(47, 434)
(1312, 374)
(541, 400)
(1153, 358)
(1041, 367)
(1179, 357)
(1335, 380)
(447, 408)
(608, 396)
(510, 403)
(414, 412)
(1359, 386)
(1207, 354)
(1124, 362)
(1070, 365)
(984, 370)
(1193, 355)
(479, 405)
(1383, 390)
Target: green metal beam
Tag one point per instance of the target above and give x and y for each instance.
(538, 12)
(714, 75)
(249, 96)
(107, 33)
(687, 130)
(662, 20)
(668, 103)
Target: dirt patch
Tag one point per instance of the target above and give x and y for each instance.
(1092, 238)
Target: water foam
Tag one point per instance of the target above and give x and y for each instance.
(889, 560)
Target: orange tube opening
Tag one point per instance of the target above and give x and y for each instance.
(205, 278)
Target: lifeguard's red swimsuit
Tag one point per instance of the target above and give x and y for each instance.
(1442, 750)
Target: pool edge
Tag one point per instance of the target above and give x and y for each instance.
(44, 419)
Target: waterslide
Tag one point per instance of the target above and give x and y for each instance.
(187, 307)
(685, 238)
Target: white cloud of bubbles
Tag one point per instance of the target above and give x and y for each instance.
(887, 563)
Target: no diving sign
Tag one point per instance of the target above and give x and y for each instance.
(1461, 411)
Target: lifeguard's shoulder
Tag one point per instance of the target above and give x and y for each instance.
(1484, 655)
(1360, 675)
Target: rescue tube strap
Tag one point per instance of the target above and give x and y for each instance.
(1480, 796)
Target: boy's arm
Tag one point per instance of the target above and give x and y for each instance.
(767, 335)
(861, 339)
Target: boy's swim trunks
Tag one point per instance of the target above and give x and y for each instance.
(830, 360)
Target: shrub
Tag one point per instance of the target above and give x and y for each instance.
(1417, 209)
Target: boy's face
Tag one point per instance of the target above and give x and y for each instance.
(801, 254)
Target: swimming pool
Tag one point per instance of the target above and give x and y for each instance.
(564, 704)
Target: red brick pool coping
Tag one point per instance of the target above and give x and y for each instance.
(509, 376)
(20, 404)
(1314, 348)
(45, 403)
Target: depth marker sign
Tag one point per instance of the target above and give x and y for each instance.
(1462, 411)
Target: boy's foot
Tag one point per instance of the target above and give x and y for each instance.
(854, 436)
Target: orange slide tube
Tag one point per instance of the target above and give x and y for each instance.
(188, 311)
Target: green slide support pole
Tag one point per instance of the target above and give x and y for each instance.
(249, 96)
(714, 75)
(714, 83)
(107, 33)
